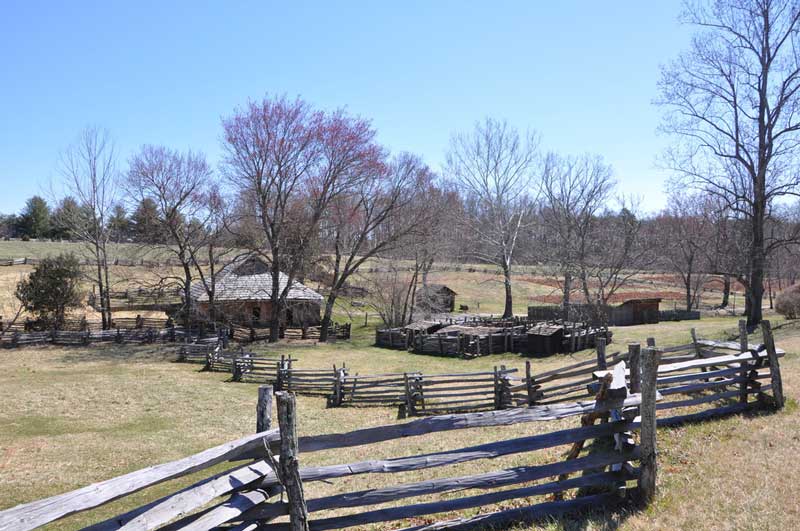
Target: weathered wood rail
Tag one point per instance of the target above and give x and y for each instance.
(246, 495)
(698, 367)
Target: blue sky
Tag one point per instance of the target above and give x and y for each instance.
(582, 73)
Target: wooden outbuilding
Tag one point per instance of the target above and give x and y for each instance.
(243, 295)
(436, 298)
(636, 312)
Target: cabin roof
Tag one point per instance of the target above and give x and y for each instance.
(247, 279)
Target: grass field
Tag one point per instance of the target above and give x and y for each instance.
(74, 416)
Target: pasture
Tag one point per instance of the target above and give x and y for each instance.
(73, 416)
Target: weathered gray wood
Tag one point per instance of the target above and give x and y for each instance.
(37, 513)
(774, 365)
(289, 463)
(420, 509)
(634, 356)
(648, 466)
(704, 415)
(489, 480)
(521, 515)
(184, 501)
(264, 408)
(743, 347)
(237, 504)
(601, 353)
(710, 362)
(461, 455)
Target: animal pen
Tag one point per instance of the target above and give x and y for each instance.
(603, 466)
(475, 337)
(721, 365)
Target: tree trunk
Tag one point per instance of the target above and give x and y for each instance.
(688, 286)
(109, 318)
(275, 310)
(567, 289)
(508, 311)
(726, 291)
(326, 317)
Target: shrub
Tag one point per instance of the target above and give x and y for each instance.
(52, 288)
(788, 302)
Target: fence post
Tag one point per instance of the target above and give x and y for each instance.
(529, 383)
(647, 462)
(289, 463)
(409, 398)
(264, 408)
(236, 370)
(601, 354)
(743, 347)
(634, 362)
(774, 366)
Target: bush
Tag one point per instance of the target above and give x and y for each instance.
(788, 302)
(52, 288)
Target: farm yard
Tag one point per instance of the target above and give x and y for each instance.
(227, 307)
(74, 416)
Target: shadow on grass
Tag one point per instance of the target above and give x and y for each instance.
(156, 352)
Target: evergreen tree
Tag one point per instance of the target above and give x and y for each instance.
(63, 219)
(34, 222)
(119, 224)
(146, 227)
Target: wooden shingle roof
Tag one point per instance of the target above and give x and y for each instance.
(249, 279)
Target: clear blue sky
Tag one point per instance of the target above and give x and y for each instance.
(582, 73)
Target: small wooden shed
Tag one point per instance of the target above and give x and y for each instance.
(545, 340)
(636, 312)
(436, 298)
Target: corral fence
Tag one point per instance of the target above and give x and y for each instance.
(135, 330)
(720, 370)
(478, 337)
(243, 333)
(120, 262)
(598, 471)
(259, 489)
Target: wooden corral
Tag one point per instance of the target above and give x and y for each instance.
(246, 494)
(644, 390)
(478, 337)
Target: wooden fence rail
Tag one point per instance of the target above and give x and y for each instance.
(246, 495)
(702, 366)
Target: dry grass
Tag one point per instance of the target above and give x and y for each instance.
(75, 416)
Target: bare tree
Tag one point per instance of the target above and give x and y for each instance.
(732, 104)
(178, 183)
(574, 191)
(213, 248)
(289, 162)
(683, 237)
(370, 220)
(616, 251)
(90, 175)
(493, 166)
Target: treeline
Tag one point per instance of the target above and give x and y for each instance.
(39, 220)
